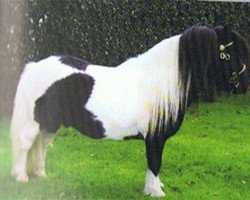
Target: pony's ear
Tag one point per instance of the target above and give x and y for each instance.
(226, 28)
(223, 31)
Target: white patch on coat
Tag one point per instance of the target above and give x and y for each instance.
(128, 98)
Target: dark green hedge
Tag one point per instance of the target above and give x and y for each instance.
(107, 32)
(101, 31)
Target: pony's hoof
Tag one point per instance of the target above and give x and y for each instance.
(153, 185)
(161, 184)
(13, 173)
(154, 192)
(39, 173)
(23, 178)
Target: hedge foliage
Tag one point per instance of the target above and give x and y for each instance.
(107, 32)
(104, 31)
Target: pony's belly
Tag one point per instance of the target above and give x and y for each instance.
(119, 133)
(117, 121)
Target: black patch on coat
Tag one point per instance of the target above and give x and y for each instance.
(63, 104)
(75, 62)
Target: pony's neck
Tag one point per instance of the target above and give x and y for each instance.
(162, 56)
(157, 74)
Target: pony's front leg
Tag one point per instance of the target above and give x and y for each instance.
(154, 148)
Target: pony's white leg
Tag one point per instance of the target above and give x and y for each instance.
(153, 185)
(19, 169)
(22, 143)
(44, 142)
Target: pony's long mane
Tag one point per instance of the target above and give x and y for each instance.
(162, 87)
(198, 77)
(199, 64)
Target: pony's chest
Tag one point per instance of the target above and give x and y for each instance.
(117, 111)
(115, 101)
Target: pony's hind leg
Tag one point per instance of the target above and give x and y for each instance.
(22, 142)
(44, 140)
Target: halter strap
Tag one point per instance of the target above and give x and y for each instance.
(223, 47)
(235, 77)
(223, 55)
(243, 69)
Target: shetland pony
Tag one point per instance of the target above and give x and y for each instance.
(145, 97)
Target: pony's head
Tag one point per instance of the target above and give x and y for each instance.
(234, 60)
(213, 61)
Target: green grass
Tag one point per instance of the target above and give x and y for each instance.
(208, 159)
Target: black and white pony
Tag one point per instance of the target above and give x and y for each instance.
(144, 97)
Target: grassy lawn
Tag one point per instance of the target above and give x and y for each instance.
(208, 159)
